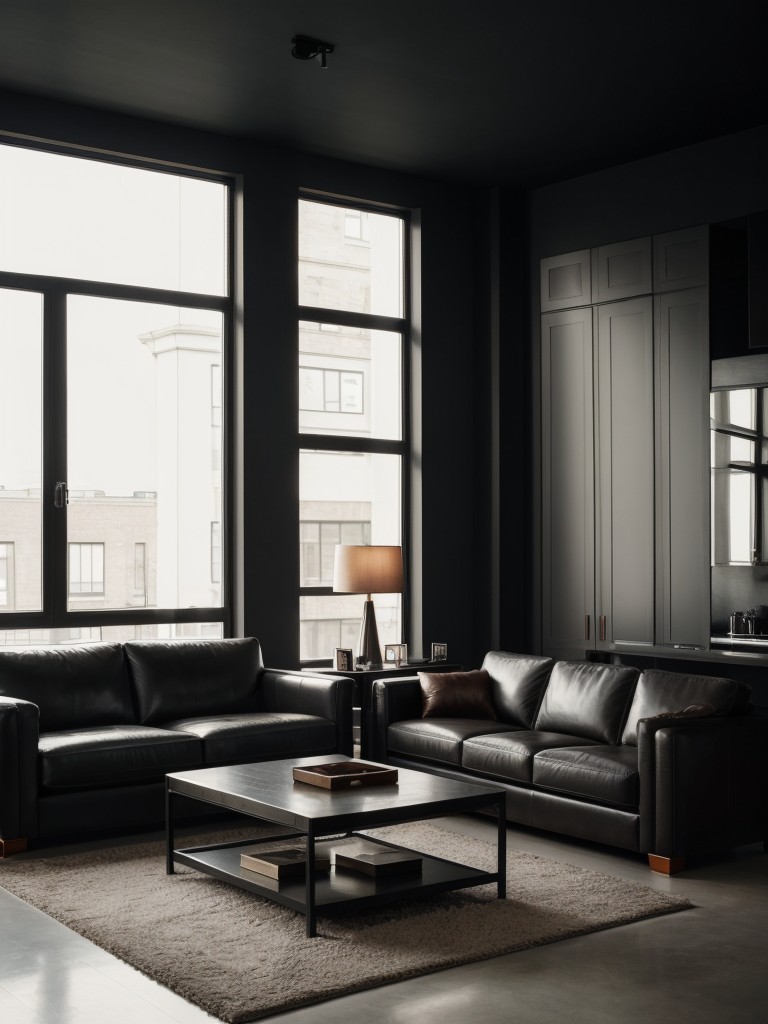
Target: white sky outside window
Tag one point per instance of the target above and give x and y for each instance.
(78, 218)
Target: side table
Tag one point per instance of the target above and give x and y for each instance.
(364, 678)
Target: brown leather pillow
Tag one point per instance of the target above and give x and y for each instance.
(456, 695)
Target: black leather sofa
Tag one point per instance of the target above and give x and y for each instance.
(87, 733)
(661, 763)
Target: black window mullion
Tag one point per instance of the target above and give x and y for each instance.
(55, 550)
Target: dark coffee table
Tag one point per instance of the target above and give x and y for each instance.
(266, 791)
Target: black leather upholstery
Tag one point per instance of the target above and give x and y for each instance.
(18, 768)
(179, 679)
(587, 700)
(74, 686)
(228, 739)
(109, 755)
(693, 783)
(517, 685)
(438, 739)
(658, 691)
(614, 826)
(606, 774)
(509, 755)
(96, 765)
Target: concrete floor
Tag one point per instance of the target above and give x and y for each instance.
(708, 965)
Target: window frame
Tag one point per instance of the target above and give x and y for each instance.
(401, 325)
(54, 613)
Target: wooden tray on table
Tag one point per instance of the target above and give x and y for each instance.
(345, 774)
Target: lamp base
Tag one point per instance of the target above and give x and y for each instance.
(370, 650)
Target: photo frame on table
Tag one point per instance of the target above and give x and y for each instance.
(439, 652)
(343, 660)
(395, 654)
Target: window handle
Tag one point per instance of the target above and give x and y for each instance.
(60, 494)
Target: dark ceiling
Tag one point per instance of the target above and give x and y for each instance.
(482, 92)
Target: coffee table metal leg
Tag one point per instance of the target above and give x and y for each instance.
(502, 847)
(310, 884)
(168, 831)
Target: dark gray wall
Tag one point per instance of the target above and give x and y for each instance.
(266, 538)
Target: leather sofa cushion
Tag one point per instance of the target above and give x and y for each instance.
(437, 739)
(589, 700)
(114, 754)
(456, 695)
(509, 755)
(229, 739)
(658, 691)
(606, 774)
(74, 686)
(184, 679)
(517, 685)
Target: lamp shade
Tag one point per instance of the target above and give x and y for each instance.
(368, 569)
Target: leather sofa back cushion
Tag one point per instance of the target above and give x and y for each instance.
(74, 686)
(456, 695)
(517, 684)
(659, 691)
(584, 699)
(187, 678)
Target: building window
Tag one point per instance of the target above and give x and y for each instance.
(320, 637)
(215, 552)
(125, 272)
(86, 569)
(318, 541)
(6, 575)
(353, 332)
(323, 390)
(140, 569)
(356, 224)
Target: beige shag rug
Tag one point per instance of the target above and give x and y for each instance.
(241, 958)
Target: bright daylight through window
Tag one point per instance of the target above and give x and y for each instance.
(351, 339)
(114, 314)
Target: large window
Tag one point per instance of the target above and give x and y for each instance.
(352, 335)
(114, 325)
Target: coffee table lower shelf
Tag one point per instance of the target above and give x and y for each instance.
(334, 890)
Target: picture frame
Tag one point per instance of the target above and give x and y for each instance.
(439, 652)
(343, 660)
(395, 654)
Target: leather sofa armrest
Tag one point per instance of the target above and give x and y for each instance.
(19, 732)
(392, 700)
(703, 783)
(304, 694)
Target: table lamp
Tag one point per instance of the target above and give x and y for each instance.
(368, 569)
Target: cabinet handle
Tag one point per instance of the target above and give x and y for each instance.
(602, 627)
(586, 627)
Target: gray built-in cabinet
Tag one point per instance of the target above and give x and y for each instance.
(625, 458)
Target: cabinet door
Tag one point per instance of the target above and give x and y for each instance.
(623, 270)
(624, 471)
(682, 360)
(567, 484)
(681, 259)
(566, 281)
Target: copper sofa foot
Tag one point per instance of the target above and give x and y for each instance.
(9, 846)
(666, 865)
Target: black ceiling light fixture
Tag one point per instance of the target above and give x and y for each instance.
(307, 48)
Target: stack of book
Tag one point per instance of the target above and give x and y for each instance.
(289, 862)
(374, 859)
